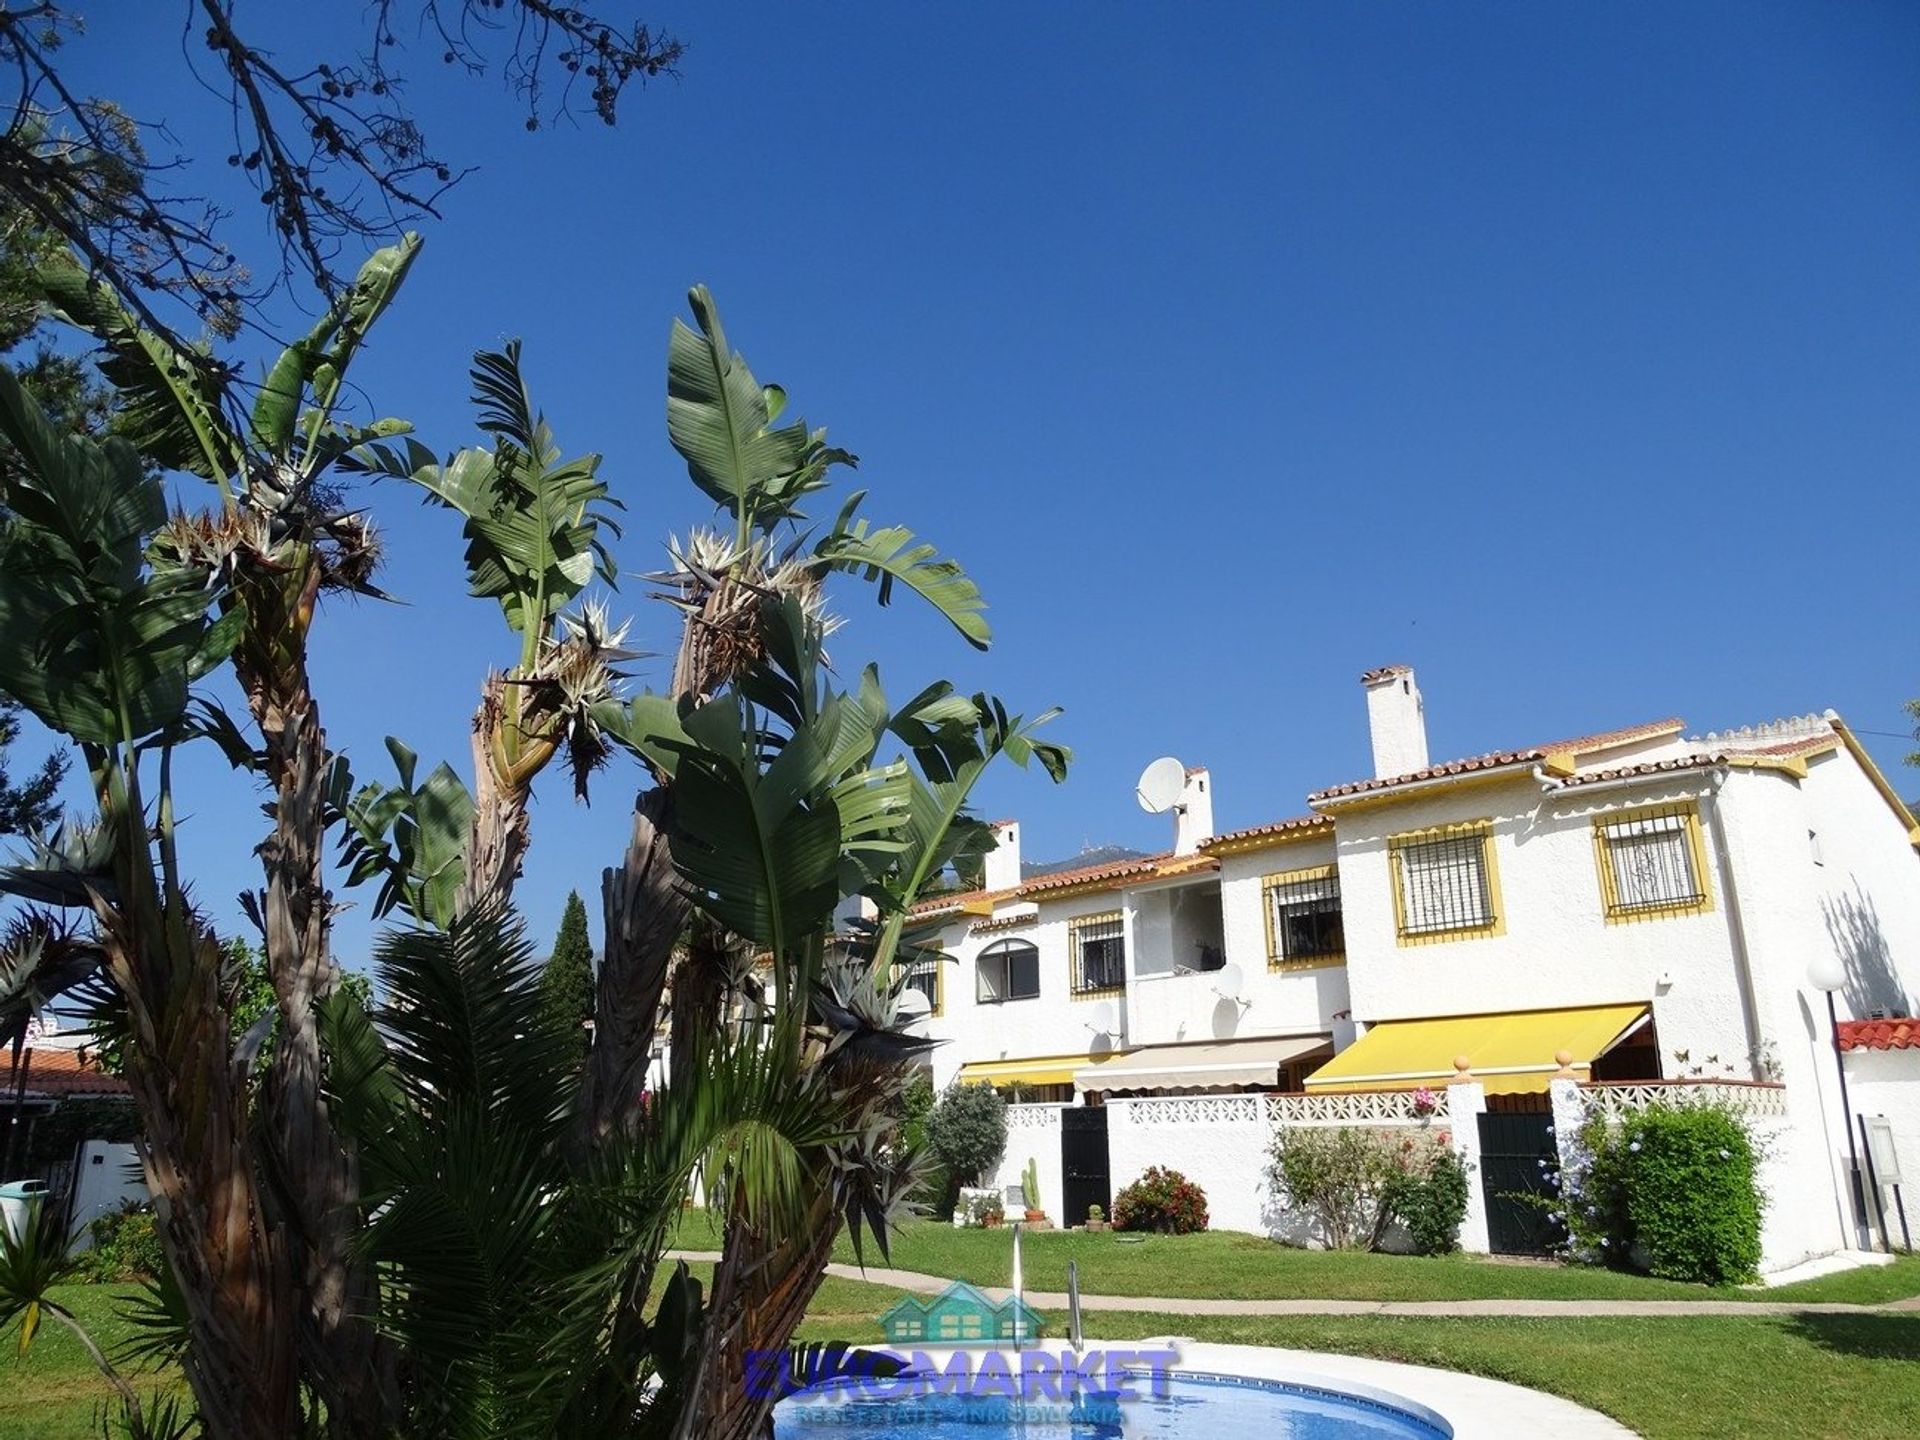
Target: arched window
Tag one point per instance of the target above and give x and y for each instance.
(1007, 970)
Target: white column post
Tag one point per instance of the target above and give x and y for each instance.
(1466, 1102)
(1569, 1114)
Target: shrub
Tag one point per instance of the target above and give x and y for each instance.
(1339, 1175)
(967, 1130)
(1675, 1182)
(125, 1247)
(1354, 1182)
(1162, 1200)
(1431, 1205)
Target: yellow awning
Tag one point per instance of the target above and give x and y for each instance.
(1039, 1070)
(1509, 1054)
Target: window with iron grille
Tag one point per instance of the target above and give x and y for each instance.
(923, 975)
(1099, 948)
(1651, 862)
(1444, 882)
(1007, 970)
(1303, 918)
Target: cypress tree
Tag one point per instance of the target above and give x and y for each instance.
(566, 985)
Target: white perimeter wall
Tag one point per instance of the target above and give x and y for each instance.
(1033, 1131)
(1887, 1082)
(107, 1177)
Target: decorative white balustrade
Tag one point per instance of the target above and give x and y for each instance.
(1188, 1110)
(1360, 1107)
(1757, 1101)
(1032, 1117)
(1372, 1107)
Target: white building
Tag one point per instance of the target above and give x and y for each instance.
(1626, 907)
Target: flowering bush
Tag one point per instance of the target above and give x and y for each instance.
(1431, 1203)
(1163, 1200)
(1672, 1189)
(1425, 1102)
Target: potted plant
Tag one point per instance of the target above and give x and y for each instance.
(1030, 1186)
(1096, 1218)
(991, 1211)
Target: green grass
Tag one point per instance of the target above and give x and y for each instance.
(54, 1392)
(1221, 1264)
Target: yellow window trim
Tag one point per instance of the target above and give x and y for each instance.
(1074, 927)
(1270, 883)
(1489, 859)
(1610, 906)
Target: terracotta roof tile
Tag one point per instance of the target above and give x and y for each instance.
(66, 1072)
(1293, 824)
(1651, 767)
(1500, 759)
(1112, 870)
(1900, 1033)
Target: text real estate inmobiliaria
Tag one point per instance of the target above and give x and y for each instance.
(1624, 909)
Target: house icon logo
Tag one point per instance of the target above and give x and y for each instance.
(960, 1315)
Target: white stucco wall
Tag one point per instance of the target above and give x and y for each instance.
(1556, 949)
(1221, 1147)
(1033, 1132)
(108, 1176)
(1887, 1082)
(1053, 1023)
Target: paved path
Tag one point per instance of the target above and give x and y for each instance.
(913, 1280)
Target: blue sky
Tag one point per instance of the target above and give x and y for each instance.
(1564, 352)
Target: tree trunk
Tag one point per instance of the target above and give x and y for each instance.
(645, 913)
(760, 1295)
(498, 836)
(312, 1171)
(194, 1146)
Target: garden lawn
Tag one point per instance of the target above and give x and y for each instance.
(53, 1392)
(1224, 1265)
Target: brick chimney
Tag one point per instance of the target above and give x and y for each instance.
(1002, 863)
(1396, 720)
(1193, 816)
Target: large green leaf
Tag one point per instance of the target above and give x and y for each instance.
(413, 839)
(891, 554)
(721, 420)
(98, 646)
(170, 399)
(534, 518)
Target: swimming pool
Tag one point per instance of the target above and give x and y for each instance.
(1187, 1405)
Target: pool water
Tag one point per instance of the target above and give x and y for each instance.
(1193, 1407)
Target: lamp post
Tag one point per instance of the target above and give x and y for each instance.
(1826, 974)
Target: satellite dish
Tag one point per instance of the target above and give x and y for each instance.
(1103, 1018)
(1231, 980)
(1160, 785)
(914, 1006)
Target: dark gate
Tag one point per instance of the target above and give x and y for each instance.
(1085, 1177)
(1511, 1149)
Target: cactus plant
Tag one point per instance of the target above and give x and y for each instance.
(1030, 1185)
